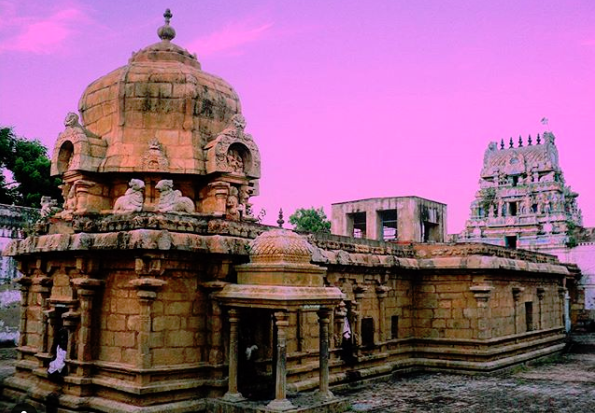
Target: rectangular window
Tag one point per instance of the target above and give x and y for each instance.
(359, 224)
(529, 315)
(513, 209)
(367, 332)
(394, 327)
(510, 242)
(388, 221)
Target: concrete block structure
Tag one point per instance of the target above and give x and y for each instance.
(397, 219)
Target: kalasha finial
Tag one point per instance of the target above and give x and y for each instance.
(501, 144)
(530, 141)
(538, 139)
(280, 221)
(520, 141)
(511, 143)
(166, 32)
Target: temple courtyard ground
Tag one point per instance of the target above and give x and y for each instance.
(566, 384)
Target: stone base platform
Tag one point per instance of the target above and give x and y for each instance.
(304, 403)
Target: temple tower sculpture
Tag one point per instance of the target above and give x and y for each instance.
(160, 117)
(523, 200)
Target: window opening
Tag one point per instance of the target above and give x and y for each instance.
(359, 225)
(510, 242)
(388, 221)
(513, 209)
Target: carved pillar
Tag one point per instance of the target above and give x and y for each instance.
(86, 290)
(215, 323)
(340, 314)
(281, 403)
(216, 198)
(516, 296)
(42, 285)
(301, 322)
(564, 307)
(233, 395)
(540, 296)
(359, 292)
(323, 321)
(25, 283)
(146, 292)
(71, 321)
(382, 292)
(482, 296)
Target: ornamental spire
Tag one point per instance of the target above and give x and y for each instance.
(166, 32)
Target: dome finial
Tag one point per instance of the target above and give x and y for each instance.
(166, 32)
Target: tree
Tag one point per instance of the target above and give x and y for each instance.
(310, 220)
(30, 168)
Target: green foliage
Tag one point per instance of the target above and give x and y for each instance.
(488, 197)
(310, 220)
(30, 167)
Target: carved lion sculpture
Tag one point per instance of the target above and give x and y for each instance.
(171, 200)
(132, 200)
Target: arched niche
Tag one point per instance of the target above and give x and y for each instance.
(65, 156)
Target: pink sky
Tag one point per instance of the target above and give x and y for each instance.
(346, 99)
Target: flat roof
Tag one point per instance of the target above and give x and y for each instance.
(388, 197)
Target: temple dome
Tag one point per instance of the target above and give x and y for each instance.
(163, 99)
(280, 246)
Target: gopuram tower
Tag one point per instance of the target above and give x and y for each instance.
(523, 200)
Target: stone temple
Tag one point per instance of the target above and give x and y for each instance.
(153, 289)
(524, 202)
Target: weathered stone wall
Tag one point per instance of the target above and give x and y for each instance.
(154, 321)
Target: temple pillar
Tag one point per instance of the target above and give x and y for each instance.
(281, 403)
(359, 292)
(561, 295)
(42, 285)
(482, 296)
(233, 395)
(25, 284)
(146, 292)
(340, 314)
(323, 321)
(540, 296)
(86, 290)
(382, 292)
(71, 321)
(516, 296)
(215, 323)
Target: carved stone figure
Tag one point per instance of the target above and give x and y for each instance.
(244, 198)
(155, 159)
(73, 126)
(232, 211)
(49, 207)
(171, 200)
(132, 200)
(235, 163)
(69, 194)
(526, 205)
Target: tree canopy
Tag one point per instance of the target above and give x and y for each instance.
(29, 165)
(310, 220)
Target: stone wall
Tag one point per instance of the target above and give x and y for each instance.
(146, 328)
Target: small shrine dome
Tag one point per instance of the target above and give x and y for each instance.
(280, 246)
(160, 99)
